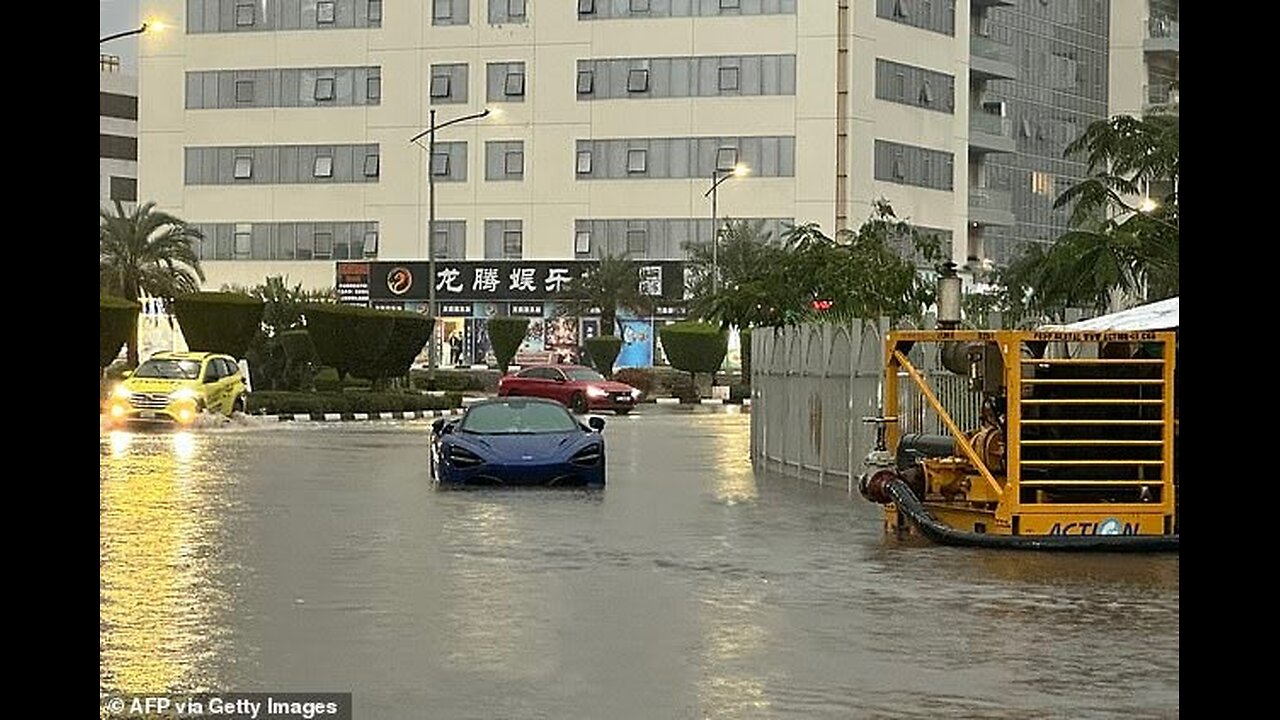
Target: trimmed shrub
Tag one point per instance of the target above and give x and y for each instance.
(456, 380)
(276, 402)
(409, 335)
(349, 339)
(604, 351)
(219, 322)
(739, 392)
(744, 337)
(300, 359)
(638, 378)
(117, 317)
(506, 334)
(695, 347)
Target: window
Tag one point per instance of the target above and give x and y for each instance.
(243, 168)
(586, 7)
(729, 78)
(586, 82)
(512, 243)
(637, 80)
(1041, 183)
(513, 163)
(900, 85)
(514, 84)
(375, 11)
(726, 158)
(324, 12)
(1026, 127)
(243, 245)
(443, 10)
(440, 246)
(898, 10)
(244, 14)
(515, 8)
(373, 87)
(637, 160)
(729, 4)
(371, 165)
(440, 164)
(639, 5)
(244, 91)
(324, 89)
(637, 240)
(899, 166)
(323, 167)
(584, 162)
(582, 241)
(440, 86)
(926, 93)
(324, 245)
(371, 243)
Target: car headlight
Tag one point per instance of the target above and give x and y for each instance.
(120, 392)
(183, 394)
(635, 394)
(596, 392)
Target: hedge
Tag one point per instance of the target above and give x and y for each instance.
(409, 335)
(116, 319)
(603, 351)
(219, 322)
(348, 338)
(695, 346)
(506, 335)
(277, 403)
(456, 380)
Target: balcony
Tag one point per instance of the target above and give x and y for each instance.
(991, 3)
(1160, 98)
(990, 207)
(990, 133)
(990, 60)
(1162, 35)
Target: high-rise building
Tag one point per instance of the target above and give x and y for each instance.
(282, 127)
(1144, 57)
(117, 133)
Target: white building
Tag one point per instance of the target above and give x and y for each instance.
(117, 133)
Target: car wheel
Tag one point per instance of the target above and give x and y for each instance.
(238, 406)
(579, 403)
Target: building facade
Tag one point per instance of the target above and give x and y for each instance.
(117, 134)
(282, 127)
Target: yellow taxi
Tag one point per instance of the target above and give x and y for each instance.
(176, 387)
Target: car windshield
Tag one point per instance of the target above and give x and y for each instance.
(584, 374)
(518, 417)
(169, 369)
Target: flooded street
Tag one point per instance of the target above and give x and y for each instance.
(317, 558)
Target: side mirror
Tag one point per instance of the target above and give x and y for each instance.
(442, 427)
(561, 379)
(126, 374)
(596, 423)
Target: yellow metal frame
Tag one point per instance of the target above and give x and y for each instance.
(1011, 515)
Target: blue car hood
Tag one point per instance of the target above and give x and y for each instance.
(517, 447)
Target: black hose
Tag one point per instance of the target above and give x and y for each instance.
(910, 505)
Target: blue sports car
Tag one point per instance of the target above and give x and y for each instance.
(517, 441)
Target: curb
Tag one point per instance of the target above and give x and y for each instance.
(746, 402)
(346, 417)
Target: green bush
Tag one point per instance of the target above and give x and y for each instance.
(409, 335)
(300, 359)
(456, 380)
(638, 378)
(506, 334)
(603, 351)
(218, 322)
(348, 338)
(117, 317)
(695, 347)
(739, 392)
(744, 337)
(297, 403)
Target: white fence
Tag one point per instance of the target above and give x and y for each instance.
(812, 385)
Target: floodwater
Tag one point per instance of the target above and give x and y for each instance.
(317, 558)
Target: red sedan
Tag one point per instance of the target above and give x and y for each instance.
(580, 388)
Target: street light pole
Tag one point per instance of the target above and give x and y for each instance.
(737, 171)
(430, 132)
(126, 33)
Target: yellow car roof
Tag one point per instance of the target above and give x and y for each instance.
(173, 355)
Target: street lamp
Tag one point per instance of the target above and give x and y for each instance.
(430, 132)
(738, 170)
(152, 26)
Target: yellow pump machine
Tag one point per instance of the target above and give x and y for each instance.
(1074, 447)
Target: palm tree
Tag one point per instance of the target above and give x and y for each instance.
(146, 251)
(612, 284)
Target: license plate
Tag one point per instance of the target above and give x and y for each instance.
(147, 414)
(624, 397)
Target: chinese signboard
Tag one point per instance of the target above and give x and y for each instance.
(492, 280)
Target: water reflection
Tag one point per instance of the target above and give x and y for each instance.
(735, 480)
(158, 591)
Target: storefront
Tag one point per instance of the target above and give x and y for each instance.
(471, 292)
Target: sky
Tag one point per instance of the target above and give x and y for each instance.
(118, 16)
